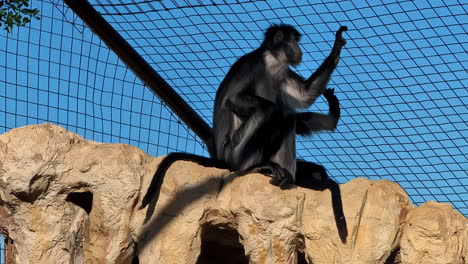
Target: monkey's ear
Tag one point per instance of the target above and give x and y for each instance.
(279, 36)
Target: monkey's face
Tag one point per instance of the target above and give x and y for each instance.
(293, 51)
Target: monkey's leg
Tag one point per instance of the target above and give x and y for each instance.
(257, 141)
(247, 144)
(285, 156)
(274, 148)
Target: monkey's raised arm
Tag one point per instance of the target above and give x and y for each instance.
(319, 79)
(305, 92)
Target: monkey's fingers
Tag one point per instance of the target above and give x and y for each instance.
(275, 181)
(283, 181)
(339, 38)
(329, 92)
(331, 98)
(287, 181)
(280, 177)
(276, 176)
(330, 95)
(342, 28)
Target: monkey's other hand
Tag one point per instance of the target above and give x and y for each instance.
(330, 94)
(339, 36)
(333, 103)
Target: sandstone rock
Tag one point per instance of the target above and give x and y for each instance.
(435, 233)
(69, 200)
(64, 199)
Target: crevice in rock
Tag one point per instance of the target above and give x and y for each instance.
(394, 257)
(9, 250)
(83, 200)
(221, 244)
(301, 256)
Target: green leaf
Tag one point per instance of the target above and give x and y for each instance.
(16, 13)
(17, 18)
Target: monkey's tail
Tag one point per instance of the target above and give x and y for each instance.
(157, 180)
(338, 212)
(313, 176)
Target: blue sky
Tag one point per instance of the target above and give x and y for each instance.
(402, 80)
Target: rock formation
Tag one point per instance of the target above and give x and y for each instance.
(64, 199)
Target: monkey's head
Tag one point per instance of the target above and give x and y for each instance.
(283, 42)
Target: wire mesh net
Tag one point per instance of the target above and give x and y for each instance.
(56, 70)
(401, 80)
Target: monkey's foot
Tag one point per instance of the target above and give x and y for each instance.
(281, 178)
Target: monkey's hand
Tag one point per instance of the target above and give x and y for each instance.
(330, 95)
(332, 102)
(339, 40)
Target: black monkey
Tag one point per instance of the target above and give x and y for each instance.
(255, 119)
(309, 175)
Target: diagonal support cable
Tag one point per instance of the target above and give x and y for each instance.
(140, 67)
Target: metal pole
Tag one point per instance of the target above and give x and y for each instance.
(140, 67)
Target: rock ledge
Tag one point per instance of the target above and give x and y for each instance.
(64, 199)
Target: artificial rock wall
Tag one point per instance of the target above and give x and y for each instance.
(64, 199)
